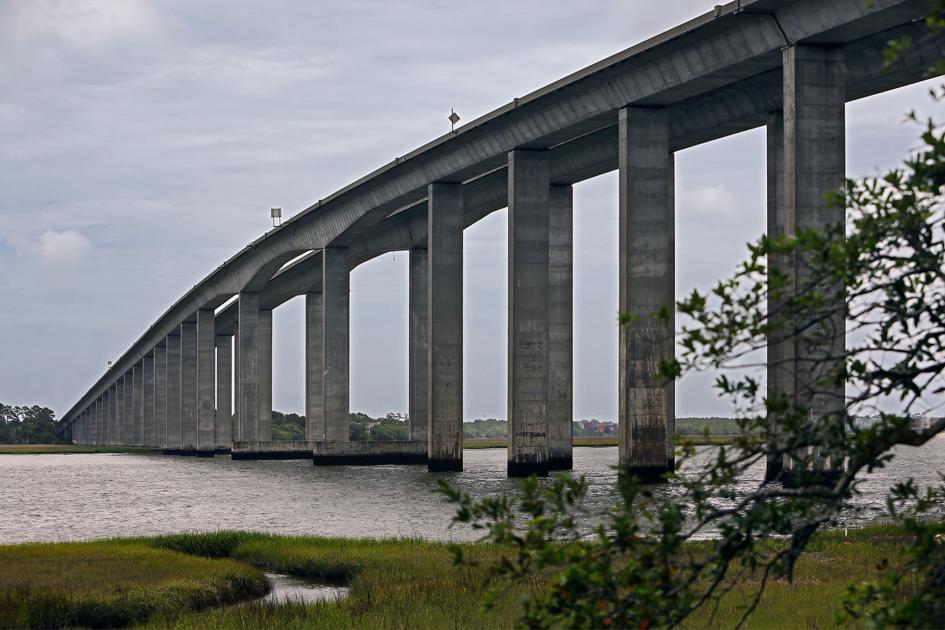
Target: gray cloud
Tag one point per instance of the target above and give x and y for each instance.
(161, 133)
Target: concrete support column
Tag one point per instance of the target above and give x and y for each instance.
(206, 382)
(335, 326)
(646, 409)
(418, 341)
(236, 385)
(264, 348)
(160, 397)
(314, 367)
(188, 387)
(814, 167)
(138, 402)
(96, 421)
(119, 411)
(103, 418)
(113, 414)
(780, 352)
(247, 367)
(445, 322)
(224, 417)
(529, 188)
(90, 424)
(128, 419)
(560, 327)
(147, 365)
(173, 406)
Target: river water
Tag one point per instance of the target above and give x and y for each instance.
(69, 497)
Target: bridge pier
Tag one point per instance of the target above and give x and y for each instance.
(93, 422)
(418, 342)
(560, 327)
(314, 367)
(172, 444)
(445, 322)
(111, 415)
(780, 352)
(129, 416)
(327, 317)
(646, 412)
(100, 420)
(335, 331)
(264, 375)
(814, 167)
(223, 421)
(147, 389)
(188, 388)
(160, 397)
(528, 200)
(120, 410)
(138, 403)
(206, 383)
(254, 371)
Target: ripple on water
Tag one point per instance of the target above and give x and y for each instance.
(68, 497)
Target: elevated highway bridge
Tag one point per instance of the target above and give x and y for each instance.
(788, 65)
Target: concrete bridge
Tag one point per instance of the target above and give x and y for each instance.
(789, 65)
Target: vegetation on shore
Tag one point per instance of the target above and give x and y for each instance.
(681, 439)
(169, 581)
(70, 449)
(28, 424)
(394, 427)
(113, 583)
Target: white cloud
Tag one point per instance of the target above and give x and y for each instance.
(56, 250)
(708, 200)
(91, 25)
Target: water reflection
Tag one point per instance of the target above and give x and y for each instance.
(67, 497)
(288, 589)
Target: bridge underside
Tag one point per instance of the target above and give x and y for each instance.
(789, 66)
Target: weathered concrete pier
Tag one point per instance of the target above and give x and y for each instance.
(199, 380)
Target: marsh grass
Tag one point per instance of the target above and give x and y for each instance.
(394, 583)
(411, 583)
(113, 583)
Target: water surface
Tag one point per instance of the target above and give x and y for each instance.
(69, 497)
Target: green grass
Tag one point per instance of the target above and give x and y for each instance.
(113, 583)
(400, 583)
(69, 449)
(393, 584)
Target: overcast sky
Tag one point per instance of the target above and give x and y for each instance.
(143, 142)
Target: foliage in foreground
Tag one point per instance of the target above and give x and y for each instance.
(112, 584)
(856, 307)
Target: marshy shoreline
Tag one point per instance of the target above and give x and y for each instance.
(187, 581)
